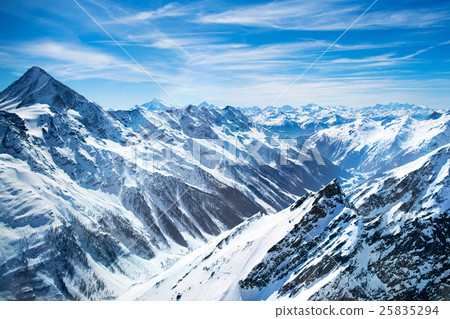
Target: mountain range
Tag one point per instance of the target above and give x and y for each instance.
(389, 240)
(162, 202)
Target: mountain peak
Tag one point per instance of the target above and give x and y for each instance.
(34, 76)
(36, 71)
(203, 104)
(206, 105)
(37, 86)
(232, 110)
(286, 108)
(332, 189)
(156, 105)
(235, 115)
(434, 116)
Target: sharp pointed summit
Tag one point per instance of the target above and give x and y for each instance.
(35, 72)
(157, 105)
(37, 86)
(203, 104)
(206, 105)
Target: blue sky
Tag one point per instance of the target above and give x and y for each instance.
(234, 52)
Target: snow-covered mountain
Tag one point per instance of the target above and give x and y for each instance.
(156, 105)
(186, 203)
(307, 120)
(388, 241)
(93, 200)
(395, 110)
(301, 121)
(368, 146)
(207, 105)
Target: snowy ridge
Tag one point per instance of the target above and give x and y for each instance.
(218, 270)
(325, 247)
(156, 105)
(368, 146)
(307, 120)
(213, 272)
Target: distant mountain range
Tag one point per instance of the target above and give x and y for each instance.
(309, 119)
(200, 203)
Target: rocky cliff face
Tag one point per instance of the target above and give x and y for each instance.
(393, 246)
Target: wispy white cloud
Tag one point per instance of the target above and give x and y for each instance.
(169, 10)
(253, 73)
(276, 57)
(422, 18)
(281, 14)
(197, 49)
(235, 54)
(323, 15)
(73, 61)
(370, 59)
(424, 50)
(387, 59)
(351, 91)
